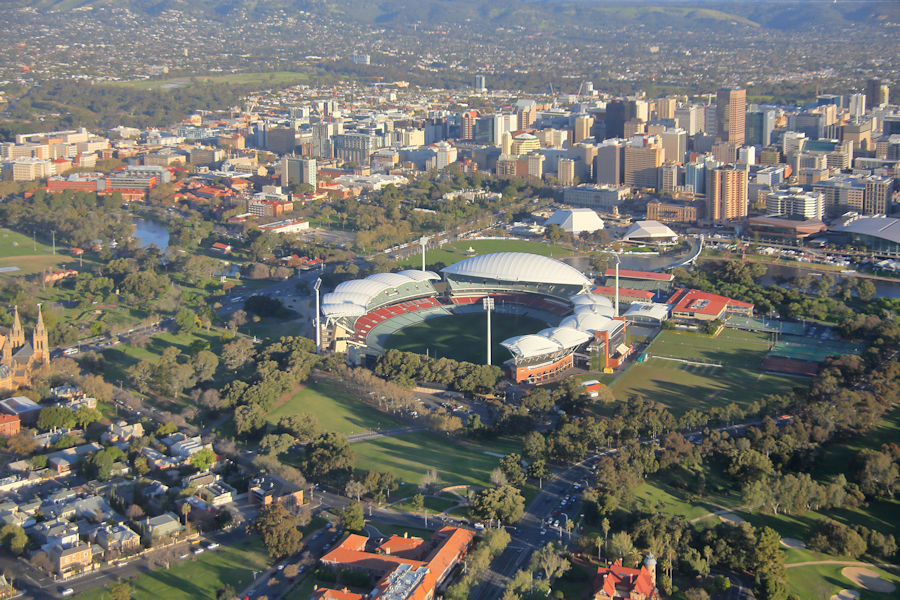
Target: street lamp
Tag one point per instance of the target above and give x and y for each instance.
(316, 286)
(488, 304)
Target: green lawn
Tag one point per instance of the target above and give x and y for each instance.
(462, 337)
(821, 581)
(410, 456)
(273, 79)
(457, 251)
(682, 387)
(19, 250)
(434, 505)
(201, 578)
(335, 409)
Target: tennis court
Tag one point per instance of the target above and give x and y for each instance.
(811, 349)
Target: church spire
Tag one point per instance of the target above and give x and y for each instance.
(17, 334)
(41, 342)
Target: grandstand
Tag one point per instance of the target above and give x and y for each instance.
(583, 328)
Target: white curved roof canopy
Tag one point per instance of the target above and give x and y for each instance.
(566, 337)
(588, 299)
(518, 266)
(596, 309)
(589, 322)
(527, 346)
(420, 275)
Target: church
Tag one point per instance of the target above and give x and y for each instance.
(19, 358)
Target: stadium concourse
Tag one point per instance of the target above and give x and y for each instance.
(583, 330)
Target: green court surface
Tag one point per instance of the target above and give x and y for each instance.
(681, 386)
(335, 409)
(457, 251)
(462, 337)
(410, 456)
(198, 578)
(812, 348)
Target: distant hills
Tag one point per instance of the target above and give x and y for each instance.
(785, 15)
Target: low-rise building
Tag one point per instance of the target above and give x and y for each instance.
(10, 425)
(117, 539)
(68, 561)
(163, 526)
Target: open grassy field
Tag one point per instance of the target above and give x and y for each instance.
(335, 409)
(457, 251)
(822, 581)
(200, 578)
(682, 387)
(19, 250)
(462, 337)
(273, 79)
(410, 456)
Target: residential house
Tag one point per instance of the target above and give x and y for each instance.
(121, 431)
(266, 491)
(163, 526)
(117, 539)
(65, 460)
(68, 561)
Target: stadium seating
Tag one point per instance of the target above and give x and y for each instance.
(367, 322)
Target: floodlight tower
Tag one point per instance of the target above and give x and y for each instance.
(422, 242)
(488, 304)
(316, 286)
(617, 283)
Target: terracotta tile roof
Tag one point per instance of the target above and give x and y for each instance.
(326, 594)
(698, 302)
(618, 581)
(623, 292)
(407, 547)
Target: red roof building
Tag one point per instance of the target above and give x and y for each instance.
(10, 425)
(624, 293)
(694, 305)
(617, 582)
(400, 576)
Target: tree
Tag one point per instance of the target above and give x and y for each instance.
(99, 465)
(203, 460)
(511, 465)
(429, 480)
(621, 546)
(205, 364)
(226, 592)
(865, 289)
(186, 320)
(352, 518)
(302, 426)
(55, 417)
(354, 489)
(504, 504)
(119, 590)
(278, 530)
(418, 502)
(539, 470)
(549, 559)
(327, 454)
(13, 538)
(237, 353)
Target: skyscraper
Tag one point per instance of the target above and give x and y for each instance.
(726, 194)
(731, 106)
(480, 83)
(759, 127)
(467, 124)
(298, 170)
(876, 93)
(609, 166)
(643, 156)
(582, 128)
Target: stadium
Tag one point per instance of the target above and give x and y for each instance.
(582, 329)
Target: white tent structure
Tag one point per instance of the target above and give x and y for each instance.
(576, 220)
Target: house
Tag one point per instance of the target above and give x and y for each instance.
(64, 392)
(266, 491)
(221, 248)
(10, 425)
(71, 560)
(158, 460)
(117, 539)
(76, 402)
(56, 533)
(165, 525)
(181, 446)
(617, 582)
(121, 431)
(63, 461)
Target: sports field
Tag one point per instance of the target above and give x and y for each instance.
(462, 337)
(457, 251)
(410, 456)
(684, 386)
(20, 255)
(335, 409)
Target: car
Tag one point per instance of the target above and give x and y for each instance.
(280, 567)
(212, 546)
(198, 550)
(66, 592)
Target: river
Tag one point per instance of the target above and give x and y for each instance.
(151, 233)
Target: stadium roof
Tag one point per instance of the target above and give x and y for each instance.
(880, 226)
(576, 220)
(589, 322)
(649, 310)
(604, 310)
(351, 298)
(530, 345)
(518, 267)
(648, 230)
(566, 337)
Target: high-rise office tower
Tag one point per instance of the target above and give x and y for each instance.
(726, 194)
(731, 107)
(504, 123)
(565, 171)
(480, 83)
(665, 108)
(857, 105)
(526, 111)
(674, 142)
(709, 119)
(876, 93)
(759, 127)
(298, 170)
(467, 122)
(689, 118)
(609, 165)
(582, 128)
(617, 113)
(643, 156)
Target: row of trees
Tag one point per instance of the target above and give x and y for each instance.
(406, 368)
